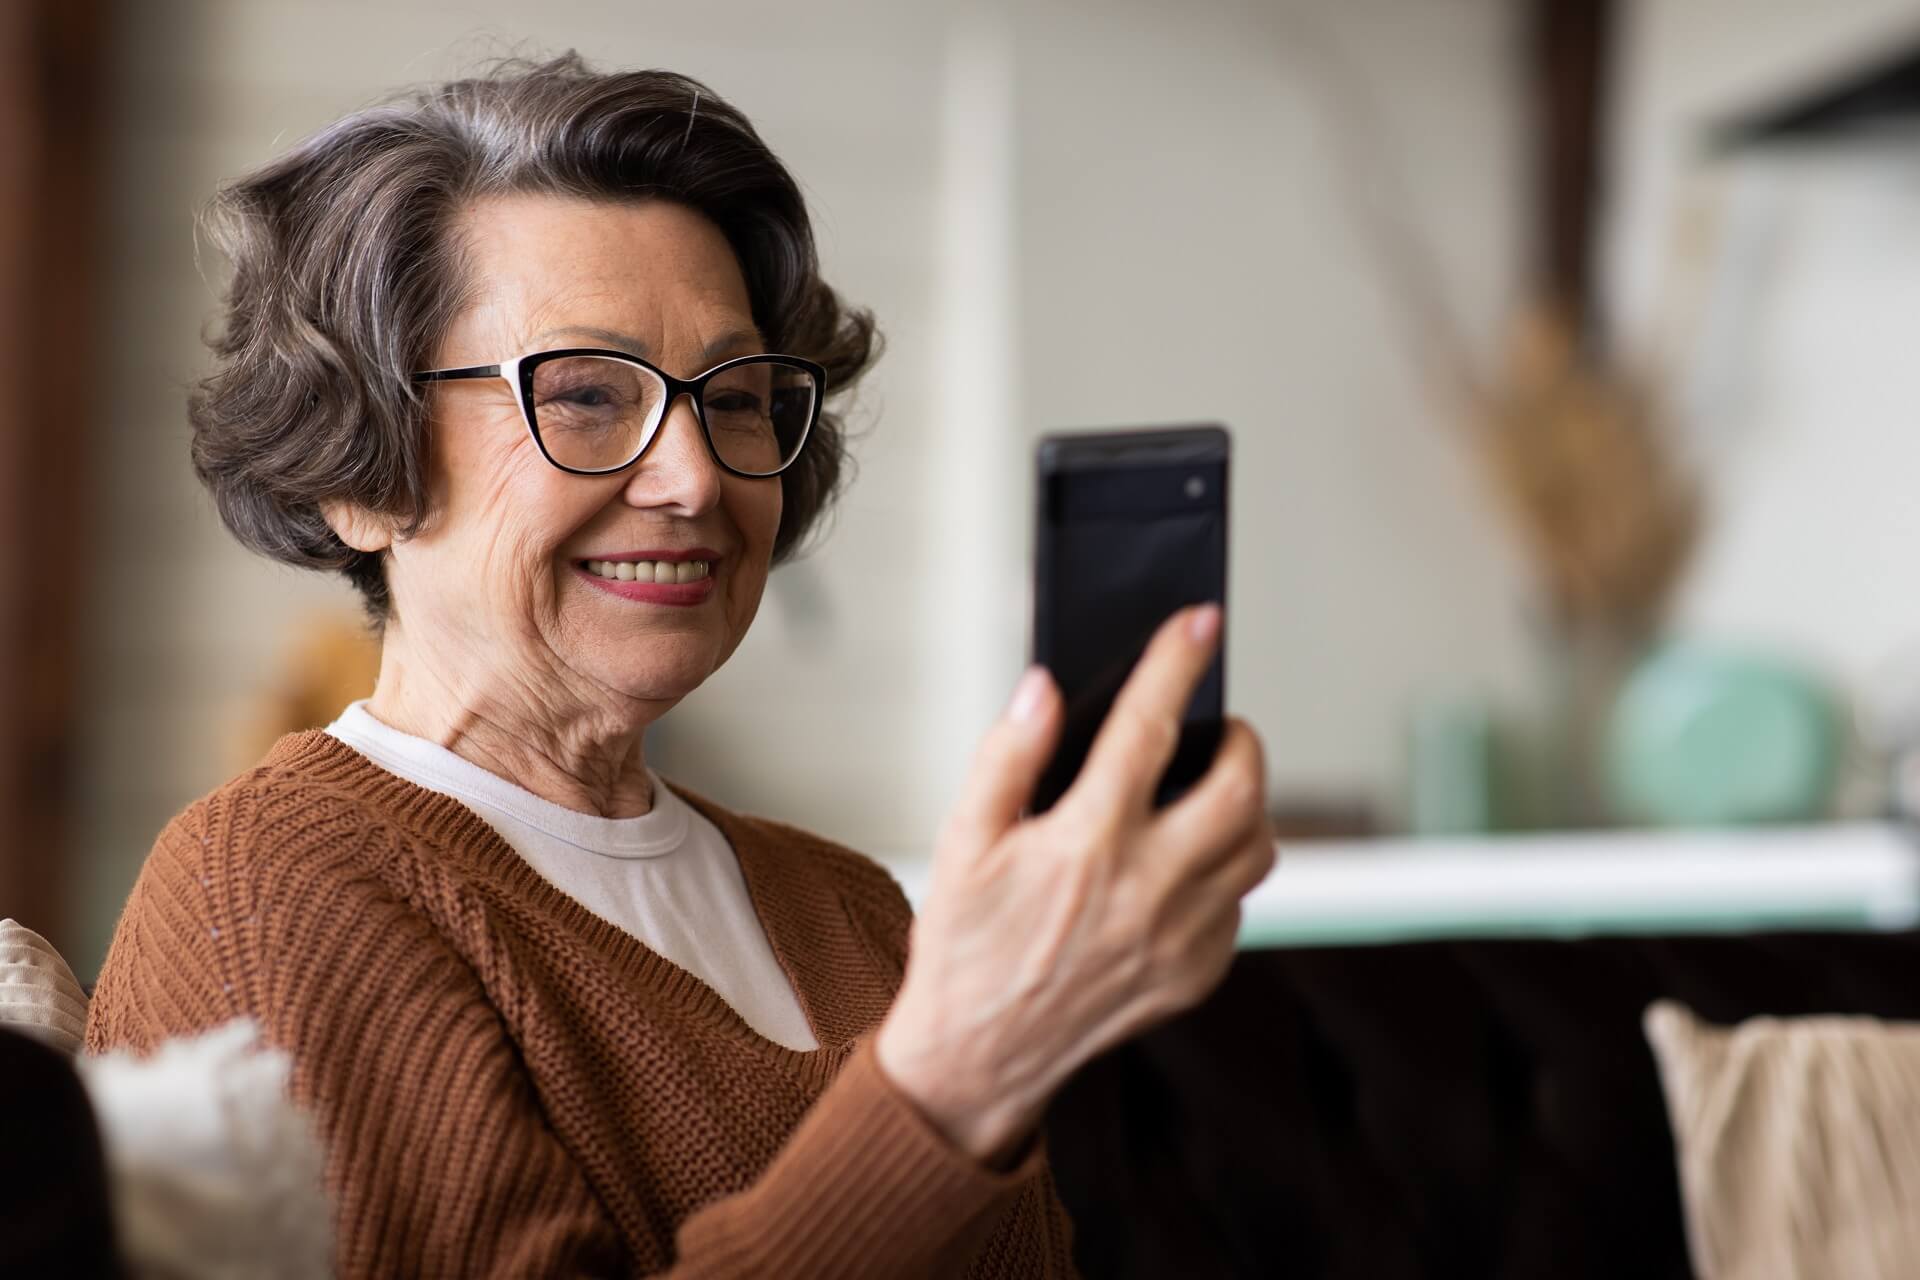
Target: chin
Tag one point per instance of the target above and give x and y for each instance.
(660, 688)
(662, 677)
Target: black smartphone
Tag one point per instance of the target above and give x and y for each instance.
(1132, 526)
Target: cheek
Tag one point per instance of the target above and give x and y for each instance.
(756, 506)
(515, 514)
(776, 507)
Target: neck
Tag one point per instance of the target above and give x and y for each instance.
(532, 733)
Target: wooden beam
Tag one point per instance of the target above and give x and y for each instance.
(52, 85)
(1568, 47)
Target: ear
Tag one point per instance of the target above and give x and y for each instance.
(359, 528)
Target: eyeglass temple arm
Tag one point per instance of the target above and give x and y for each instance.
(454, 375)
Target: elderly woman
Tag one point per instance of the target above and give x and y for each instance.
(538, 361)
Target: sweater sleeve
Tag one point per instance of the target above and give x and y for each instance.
(865, 1187)
(439, 1160)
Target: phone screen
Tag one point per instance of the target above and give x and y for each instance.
(1132, 527)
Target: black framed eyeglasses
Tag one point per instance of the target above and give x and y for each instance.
(593, 411)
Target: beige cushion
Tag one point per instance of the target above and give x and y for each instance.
(1798, 1142)
(38, 993)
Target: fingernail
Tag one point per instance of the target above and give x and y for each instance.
(1204, 625)
(1027, 694)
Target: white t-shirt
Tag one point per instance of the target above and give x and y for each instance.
(668, 877)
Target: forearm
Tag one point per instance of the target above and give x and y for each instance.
(865, 1186)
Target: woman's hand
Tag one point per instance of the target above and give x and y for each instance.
(1047, 940)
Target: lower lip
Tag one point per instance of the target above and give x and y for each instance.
(676, 593)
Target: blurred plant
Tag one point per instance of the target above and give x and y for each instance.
(1588, 477)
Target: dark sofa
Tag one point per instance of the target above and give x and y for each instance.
(54, 1216)
(1480, 1109)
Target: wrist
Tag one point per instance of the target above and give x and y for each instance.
(961, 1102)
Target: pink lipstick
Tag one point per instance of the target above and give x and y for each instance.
(681, 576)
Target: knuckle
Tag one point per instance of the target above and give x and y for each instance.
(1266, 856)
(1220, 950)
(1151, 730)
(1245, 789)
(1199, 981)
(1253, 874)
(1193, 966)
(1253, 774)
(1255, 747)
(1250, 763)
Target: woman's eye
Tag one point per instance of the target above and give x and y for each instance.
(734, 402)
(588, 397)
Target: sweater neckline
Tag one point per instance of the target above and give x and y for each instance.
(450, 825)
(660, 832)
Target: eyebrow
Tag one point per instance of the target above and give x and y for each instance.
(634, 346)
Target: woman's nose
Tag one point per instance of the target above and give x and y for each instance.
(677, 470)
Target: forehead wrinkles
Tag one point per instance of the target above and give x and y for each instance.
(551, 321)
(674, 290)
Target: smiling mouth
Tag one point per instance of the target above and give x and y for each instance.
(660, 571)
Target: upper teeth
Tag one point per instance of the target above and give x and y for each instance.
(649, 570)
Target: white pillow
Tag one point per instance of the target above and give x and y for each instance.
(38, 993)
(1798, 1141)
(215, 1174)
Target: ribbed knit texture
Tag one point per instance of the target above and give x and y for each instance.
(39, 995)
(508, 1085)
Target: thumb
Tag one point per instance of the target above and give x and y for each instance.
(1008, 762)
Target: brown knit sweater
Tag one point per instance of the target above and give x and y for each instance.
(508, 1085)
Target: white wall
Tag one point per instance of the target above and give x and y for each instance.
(1065, 215)
(1800, 390)
(1187, 253)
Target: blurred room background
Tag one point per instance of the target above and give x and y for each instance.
(1567, 348)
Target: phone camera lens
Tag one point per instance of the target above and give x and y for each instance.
(1196, 487)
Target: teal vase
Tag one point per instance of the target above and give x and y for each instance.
(1706, 737)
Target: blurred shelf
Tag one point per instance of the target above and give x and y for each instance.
(1346, 892)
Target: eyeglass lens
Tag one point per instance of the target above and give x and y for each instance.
(594, 413)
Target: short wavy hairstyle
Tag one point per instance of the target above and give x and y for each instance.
(346, 272)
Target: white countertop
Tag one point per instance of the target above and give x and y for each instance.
(1844, 877)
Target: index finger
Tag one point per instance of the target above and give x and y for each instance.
(1137, 740)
